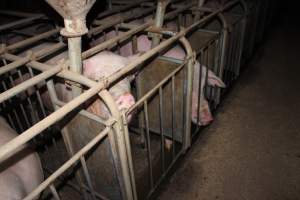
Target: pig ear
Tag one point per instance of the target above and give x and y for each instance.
(214, 81)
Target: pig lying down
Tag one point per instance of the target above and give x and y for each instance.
(21, 173)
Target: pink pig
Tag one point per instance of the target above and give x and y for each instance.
(205, 116)
(20, 174)
(96, 67)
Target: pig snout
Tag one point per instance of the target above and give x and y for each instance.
(124, 102)
(204, 113)
(205, 117)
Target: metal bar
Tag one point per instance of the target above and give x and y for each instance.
(87, 177)
(148, 144)
(18, 13)
(173, 116)
(6, 68)
(188, 95)
(67, 165)
(54, 192)
(26, 84)
(161, 118)
(14, 110)
(159, 19)
(20, 22)
(31, 40)
(75, 59)
(128, 147)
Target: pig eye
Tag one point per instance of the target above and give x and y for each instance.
(120, 102)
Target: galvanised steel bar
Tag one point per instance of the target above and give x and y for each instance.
(54, 192)
(20, 22)
(18, 13)
(67, 164)
(74, 45)
(123, 8)
(29, 41)
(189, 87)
(159, 19)
(129, 154)
(118, 19)
(173, 116)
(161, 124)
(29, 83)
(148, 144)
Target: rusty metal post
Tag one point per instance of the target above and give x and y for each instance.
(159, 19)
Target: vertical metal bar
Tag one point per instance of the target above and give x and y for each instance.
(173, 117)
(123, 158)
(54, 192)
(161, 119)
(14, 110)
(188, 93)
(119, 45)
(134, 44)
(21, 105)
(38, 94)
(141, 114)
(66, 137)
(74, 45)
(148, 144)
(87, 177)
(159, 19)
(128, 147)
(199, 86)
(242, 40)
(34, 113)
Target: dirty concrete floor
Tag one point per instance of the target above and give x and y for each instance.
(252, 150)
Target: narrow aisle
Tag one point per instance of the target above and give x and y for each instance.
(252, 151)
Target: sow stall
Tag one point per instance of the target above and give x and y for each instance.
(84, 155)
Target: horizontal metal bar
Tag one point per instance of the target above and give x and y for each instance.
(87, 114)
(27, 84)
(13, 65)
(31, 40)
(75, 158)
(18, 13)
(20, 22)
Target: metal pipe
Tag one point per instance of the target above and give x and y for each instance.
(67, 165)
(29, 83)
(74, 45)
(30, 40)
(19, 22)
(159, 19)
(129, 188)
(188, 95)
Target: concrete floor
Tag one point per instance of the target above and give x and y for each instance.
(252, 150)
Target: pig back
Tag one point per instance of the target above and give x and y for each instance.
(23, 170)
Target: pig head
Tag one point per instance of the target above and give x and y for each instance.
(201, 113)
(102, 66)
